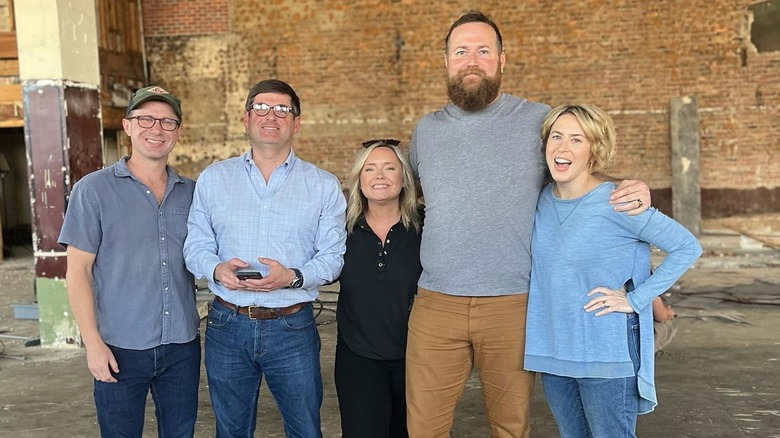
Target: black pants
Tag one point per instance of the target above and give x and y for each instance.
(372, 395)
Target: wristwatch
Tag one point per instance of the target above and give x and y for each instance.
(297, 282)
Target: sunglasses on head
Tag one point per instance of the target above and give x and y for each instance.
(381, 142)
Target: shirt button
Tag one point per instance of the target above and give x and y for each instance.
(167, 312)
(147, 192)
(388, 241)
(162, 238)
(165, 263)
(381, 264)
(166, 287)
(380, 254)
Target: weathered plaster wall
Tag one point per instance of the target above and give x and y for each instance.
(67, 37)
(371, 69)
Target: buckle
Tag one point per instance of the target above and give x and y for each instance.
(258, 312)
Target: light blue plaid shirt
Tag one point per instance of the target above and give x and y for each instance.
(297, 218)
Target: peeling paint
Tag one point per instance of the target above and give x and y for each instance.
(50, 254)
(686, 164)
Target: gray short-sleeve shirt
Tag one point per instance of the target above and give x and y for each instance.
(144, 295)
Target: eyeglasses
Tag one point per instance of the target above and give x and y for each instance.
(262, 109)
(147, 122)
(381, 142)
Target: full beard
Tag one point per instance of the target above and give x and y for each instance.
(473, 98)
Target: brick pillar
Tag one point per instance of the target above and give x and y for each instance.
(58, 66)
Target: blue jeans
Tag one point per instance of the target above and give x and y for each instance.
(588, 407)
(171, 371)
(239, 351)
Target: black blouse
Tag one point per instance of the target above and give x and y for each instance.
(377, 288)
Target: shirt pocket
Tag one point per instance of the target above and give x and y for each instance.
(179, 219)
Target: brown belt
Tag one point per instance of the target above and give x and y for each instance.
(257, 312)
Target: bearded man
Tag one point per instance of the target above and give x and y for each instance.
(480, 164)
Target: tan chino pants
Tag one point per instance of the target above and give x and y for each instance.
(450, 334)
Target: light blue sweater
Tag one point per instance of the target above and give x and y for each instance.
(580, 244)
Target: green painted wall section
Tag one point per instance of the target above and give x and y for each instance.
(57, 326)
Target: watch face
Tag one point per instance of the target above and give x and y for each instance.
(298, 280)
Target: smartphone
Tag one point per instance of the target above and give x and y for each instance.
(244, 275)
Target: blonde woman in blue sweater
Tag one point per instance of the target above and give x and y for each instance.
(590, 325)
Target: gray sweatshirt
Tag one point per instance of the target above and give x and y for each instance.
(481, 173)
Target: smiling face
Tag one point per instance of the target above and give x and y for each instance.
(270, 131)
(152, 143)
(381, 177)
(568, 152)
(474, 46)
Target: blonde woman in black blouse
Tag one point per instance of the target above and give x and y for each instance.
(378, 283)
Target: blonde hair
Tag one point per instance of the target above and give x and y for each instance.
(598, 127)
(357, 204)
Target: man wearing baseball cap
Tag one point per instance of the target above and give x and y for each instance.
(131, 294)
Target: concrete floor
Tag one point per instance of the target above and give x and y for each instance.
(718, 378)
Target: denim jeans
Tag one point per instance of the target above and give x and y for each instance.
(590, 407)
(286, 350)
(171, 371)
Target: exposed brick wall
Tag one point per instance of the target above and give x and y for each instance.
(368, 69)
(185, 17)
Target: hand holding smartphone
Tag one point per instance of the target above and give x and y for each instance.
(245, 275)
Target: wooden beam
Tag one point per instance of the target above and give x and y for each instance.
(9, 67)
(11, 14)
(12, 123)
(8, 48)
(10, 92)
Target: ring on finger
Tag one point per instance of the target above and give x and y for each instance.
(639, 201)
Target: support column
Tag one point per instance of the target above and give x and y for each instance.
(58, 66)
(686, 193)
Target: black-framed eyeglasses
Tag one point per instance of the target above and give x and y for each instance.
(146, 122)
(262, 109)
(381, 142)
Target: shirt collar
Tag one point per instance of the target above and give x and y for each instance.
(122, 171)
(287, 164)
(362, 224)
